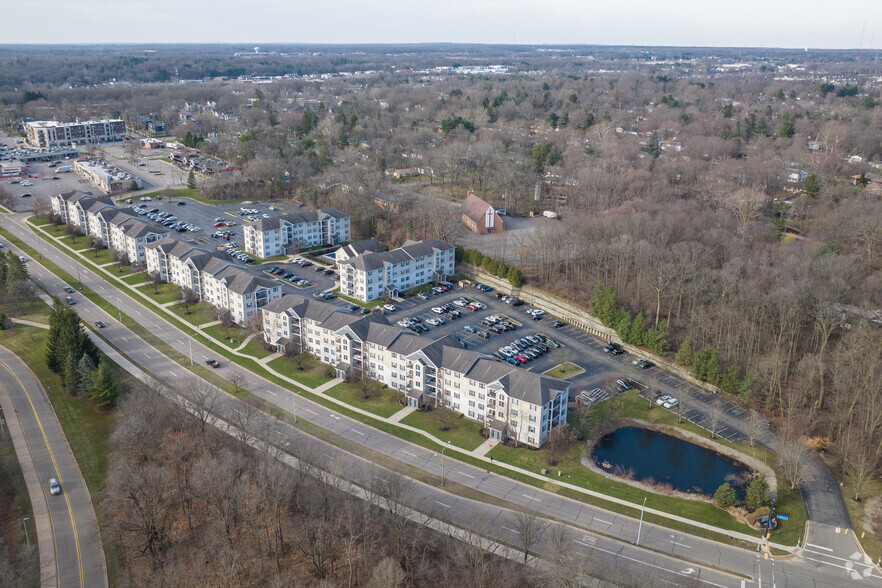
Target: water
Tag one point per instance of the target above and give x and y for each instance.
(655, 457)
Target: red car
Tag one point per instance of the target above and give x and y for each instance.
(218, 224)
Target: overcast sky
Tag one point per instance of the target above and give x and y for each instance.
(765, 23)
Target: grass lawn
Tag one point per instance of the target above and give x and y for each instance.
(461, 431)
(371, 304)
(86, 428)
(312, 375)
(55, 230)
(383, 401)
(80, 243)
(564, 370)
(161, 293)
(223, 335)
(34, 310)
(102, 257)
(40, 221)
(860, 520)
(255, 348)
(130, 279)
(200, 313)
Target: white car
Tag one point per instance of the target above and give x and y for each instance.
(672, 403)
(389, 307)
(662, 399)
(54, 487)
(437, 310)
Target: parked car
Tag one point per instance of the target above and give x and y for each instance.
(642, 363)
(609, 348)
(662, 399)
(624, 385)
(618, 351)
(389, 307)
(672, 403)
(558, 324)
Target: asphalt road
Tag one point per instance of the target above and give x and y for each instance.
(698, 553)
(79, 556)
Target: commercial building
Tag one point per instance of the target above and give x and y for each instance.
(50, 133)
(212, 277)
(298, 230)
(107, 178)
(372, 275)
(509, 401)
(11, 169)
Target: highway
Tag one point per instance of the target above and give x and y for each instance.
(672, 553)
(72, 526)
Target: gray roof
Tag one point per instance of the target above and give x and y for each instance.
(334, 213)
(135, 229)
(242, 282)
(411, 250)
(360, 247)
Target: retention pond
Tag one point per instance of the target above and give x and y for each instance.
(658, 459)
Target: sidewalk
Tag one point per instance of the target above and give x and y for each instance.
(478, 453)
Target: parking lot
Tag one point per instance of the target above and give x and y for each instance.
(600, 369)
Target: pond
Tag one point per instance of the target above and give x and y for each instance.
(655, 458)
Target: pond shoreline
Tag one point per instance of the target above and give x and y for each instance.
(750, 462)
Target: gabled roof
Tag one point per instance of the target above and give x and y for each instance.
(242, 282)
(136, 229)
(475, 208)
(73, 195)
(361, 247)
(333, 212)
(410, 250)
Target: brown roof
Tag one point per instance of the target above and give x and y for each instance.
(475, 208)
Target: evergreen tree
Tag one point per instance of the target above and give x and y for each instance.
(104, 390)
(502, 271)
(684, 353)
(71, 375)
(637, 332)
(705, 365)
(725, 495)
(812, 186)
(191, 180)
(84, 376)
(757, 494)
(731, 380)
(515, 277)
(622, 324)
(788, 127)
(564, 120)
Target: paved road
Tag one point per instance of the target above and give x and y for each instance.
(827, 571)
(73, 529)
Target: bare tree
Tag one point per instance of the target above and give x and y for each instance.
(443, 417)
(744, 203)
(226, 321)
(862, 469)
(682, 406)
(7, 199)
(188, 298)
(202, 399)
(237, 379)
(794, 456)
(559, 440)
(754, 424)
(714, 412)
(530, 529)
(42, 208)
(121, 258)
(96, 244)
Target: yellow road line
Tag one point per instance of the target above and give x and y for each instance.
(55, 465)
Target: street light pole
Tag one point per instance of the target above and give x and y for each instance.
(443, 449)
(118, 310)
(640, 527)
(190, 342)
(24, 523)
(294, 407)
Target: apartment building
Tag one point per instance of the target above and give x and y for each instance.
(116, 227)
(509, 401)
(298, 230)
(358, 248)
(50, 133)
(212, 277)
(371, 275)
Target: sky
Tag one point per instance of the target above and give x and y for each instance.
(845, 24)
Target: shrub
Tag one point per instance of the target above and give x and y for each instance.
(757, 494)
(725, 495)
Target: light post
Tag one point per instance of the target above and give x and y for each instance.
(640, 527)
(443, 449)
(118, 310)
(190, 342)
(24, 523)
(294, 407)
(78, 274)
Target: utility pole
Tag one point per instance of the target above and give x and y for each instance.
(294, 407)
(190, 342)
(118, 310)
(443, 449)
(640, 527)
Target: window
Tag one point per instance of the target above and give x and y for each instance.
(531, 429)
(531, 440)
(472, 403)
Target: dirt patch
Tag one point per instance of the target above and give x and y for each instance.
(873, 516)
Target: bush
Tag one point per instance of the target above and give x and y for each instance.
(725, 496)
(757, 494)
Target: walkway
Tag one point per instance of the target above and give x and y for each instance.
(478, 453)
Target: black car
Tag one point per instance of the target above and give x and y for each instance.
(100, 324)
(558, 324)
(213, 363)
(617, 351)
(181, 203)
(610, 347)
(68, 289)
